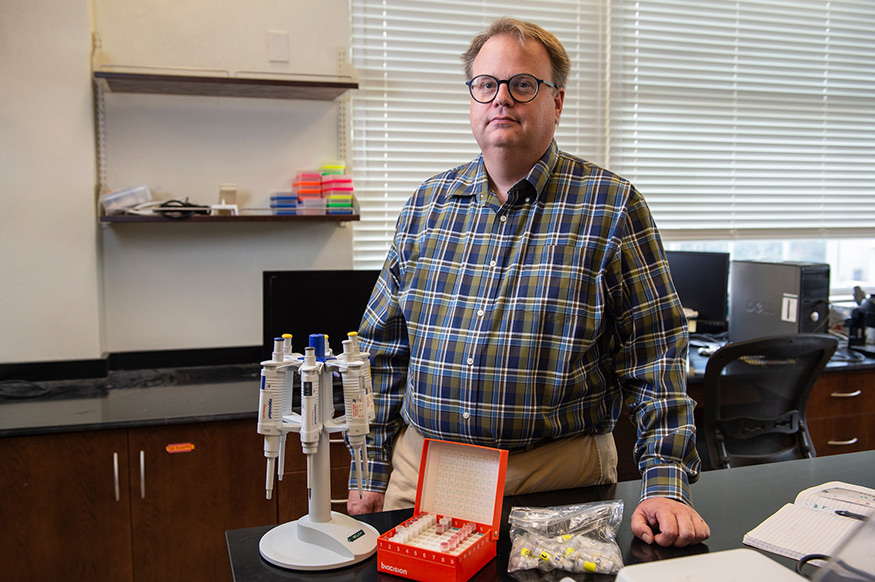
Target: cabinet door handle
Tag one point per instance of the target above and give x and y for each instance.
(846, 394)
(142, 474)
(115, 475)
(842, 443)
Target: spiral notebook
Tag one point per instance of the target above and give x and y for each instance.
(817, 522)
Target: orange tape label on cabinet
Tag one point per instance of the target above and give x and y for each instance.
(179, 447)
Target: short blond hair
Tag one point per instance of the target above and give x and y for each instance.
(523, 31)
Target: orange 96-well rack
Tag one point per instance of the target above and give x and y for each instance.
(456, 520)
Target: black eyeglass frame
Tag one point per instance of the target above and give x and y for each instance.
(498, 83)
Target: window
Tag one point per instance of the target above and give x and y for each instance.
(410, 115)
(739, 121)
(747, 119)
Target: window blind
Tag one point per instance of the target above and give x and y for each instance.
(735, 119)
(747, 118)
(410, 117)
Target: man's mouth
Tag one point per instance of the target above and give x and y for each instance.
(502, 119)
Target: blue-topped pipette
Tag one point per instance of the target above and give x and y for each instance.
(311, 420)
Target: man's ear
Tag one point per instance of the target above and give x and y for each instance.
(559, 101)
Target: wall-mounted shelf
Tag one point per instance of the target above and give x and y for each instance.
(223, 86)
(128, 218)
(218, 83)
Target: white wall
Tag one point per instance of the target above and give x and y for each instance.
(152, 286)
(49, 291)
(199, 286)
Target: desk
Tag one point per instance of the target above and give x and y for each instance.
(840, 412)
(841, 407)
(732, 501)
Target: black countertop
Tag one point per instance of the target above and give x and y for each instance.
(160, 396)
(129, 399)
(732, 501)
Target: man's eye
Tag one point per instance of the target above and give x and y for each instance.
(487, 85)
(523, 84)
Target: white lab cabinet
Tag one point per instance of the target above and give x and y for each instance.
(297, 37)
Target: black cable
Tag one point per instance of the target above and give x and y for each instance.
(180, 209)
(805, 559)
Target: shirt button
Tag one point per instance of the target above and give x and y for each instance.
(466, 415)
(503, 218)
(480, 313)
(528, 199)
(470, 361)
(492, 263)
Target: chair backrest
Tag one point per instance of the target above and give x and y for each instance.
(755, 396)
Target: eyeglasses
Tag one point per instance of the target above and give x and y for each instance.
(523, 87)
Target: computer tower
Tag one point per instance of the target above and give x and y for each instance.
(777, 299)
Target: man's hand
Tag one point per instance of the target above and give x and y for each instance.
(369, 502)
(668, 523)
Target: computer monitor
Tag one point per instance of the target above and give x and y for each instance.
(702, 282)
(307, 302)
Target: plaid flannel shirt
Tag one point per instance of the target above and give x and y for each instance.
(507, 324)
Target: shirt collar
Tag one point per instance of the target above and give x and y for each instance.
(539, 176)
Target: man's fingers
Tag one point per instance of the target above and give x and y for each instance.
(668, 523)
(641, 527)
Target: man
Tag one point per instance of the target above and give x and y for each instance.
(525, 297)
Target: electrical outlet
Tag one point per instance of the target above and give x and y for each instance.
(278, 46)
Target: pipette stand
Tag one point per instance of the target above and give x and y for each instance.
(323, 539)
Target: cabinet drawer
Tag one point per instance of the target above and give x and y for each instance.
(847, 434)
(842, 394)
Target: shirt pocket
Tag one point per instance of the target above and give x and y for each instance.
(560, 291)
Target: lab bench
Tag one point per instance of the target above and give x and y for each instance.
(732, 502)
(136, 476)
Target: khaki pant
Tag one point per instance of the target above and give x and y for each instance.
(566, 463)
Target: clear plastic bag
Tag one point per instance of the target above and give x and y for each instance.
(575, 538)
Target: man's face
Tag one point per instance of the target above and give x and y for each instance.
(504, 123)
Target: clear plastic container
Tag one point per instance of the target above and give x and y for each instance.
(117, 201)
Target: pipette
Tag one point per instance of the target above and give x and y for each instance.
(294, 359)
(355, 409)
(270, 409)
(367, 385)
(311, 422)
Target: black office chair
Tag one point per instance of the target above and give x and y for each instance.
(755, 397)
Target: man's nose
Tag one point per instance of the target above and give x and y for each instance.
(503, 97)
